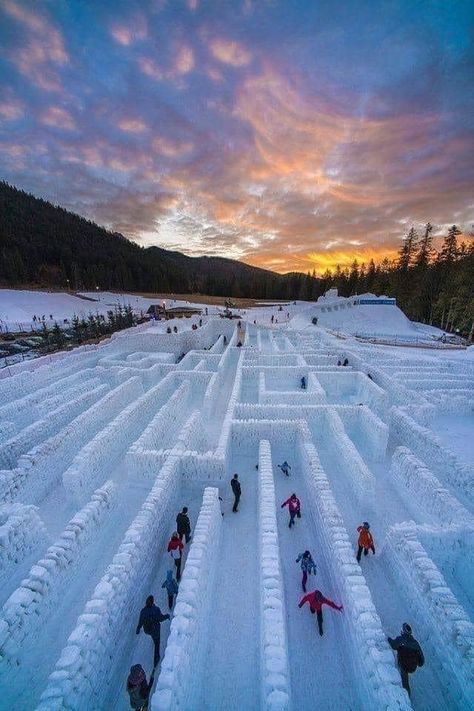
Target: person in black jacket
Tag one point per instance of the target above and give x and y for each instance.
(151, 619)
(235, 484)
(137, 687)
(183, 526)
(409, 654)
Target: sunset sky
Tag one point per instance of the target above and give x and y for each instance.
(289, 134)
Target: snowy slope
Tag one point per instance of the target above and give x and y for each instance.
(17, 307)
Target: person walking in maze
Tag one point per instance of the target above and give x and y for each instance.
(171, 587)
(365, 541)
(183, 525)
(237, 491)
(409, 654)
(303, 383)
(138, 689)
(150, 619)
(316, 601)
(285, 467)
(175, 548)
(308, 566)
(294, 507)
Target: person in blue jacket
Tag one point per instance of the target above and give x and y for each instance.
(171, 587)
(151, 618)
(285, 467)
(308, 566)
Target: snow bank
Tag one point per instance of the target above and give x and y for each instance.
(433, 602)
(104, 451)
(21, 530)
(274, 673)
(47, 426)
(272, 361)
(248, 433)
(24, 410)
(361, 423)
(426, 489)
(32, 602)
(176, 343)
(83, 671)
(428, 447)
(362, 480)
(218, 382)
(353, 387)
(15, 381)
(224, 438)
(184, 661)
(369, 648)
(193, 435)
(433, 383)
(208, 467)
(159, 429)
(395, 392)
(294, 394)
(40, 469)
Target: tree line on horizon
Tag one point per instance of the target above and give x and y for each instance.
(432, 286)
(44, 245)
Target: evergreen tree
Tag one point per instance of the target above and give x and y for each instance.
(425, 248)
(58, 335)
(76, 328)
(449, 249)
(407, 250)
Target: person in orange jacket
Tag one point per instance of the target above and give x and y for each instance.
(175, 547)
(365, 542)
(316, 601)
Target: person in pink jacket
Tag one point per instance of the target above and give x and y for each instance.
(316, 601)
(294, 508)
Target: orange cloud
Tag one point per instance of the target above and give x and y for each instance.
(318, 261)
(230, 52)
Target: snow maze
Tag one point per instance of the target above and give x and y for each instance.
(99, 450)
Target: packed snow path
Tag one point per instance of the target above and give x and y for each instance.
(102, 447)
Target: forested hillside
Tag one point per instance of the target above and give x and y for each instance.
(45, 245)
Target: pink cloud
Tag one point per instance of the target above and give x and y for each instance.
(182, 63)
(230, 52)
(57, 117)
(11, 109)
(134, 31)
(184, 60)
(132, 125)
(43, 50)
(170, 148)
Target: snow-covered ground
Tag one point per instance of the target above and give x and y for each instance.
(18, 307)
(99, 450)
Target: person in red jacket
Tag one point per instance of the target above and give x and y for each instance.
(365, 542)
(294, 508)
(175, 547)
(316, 601)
